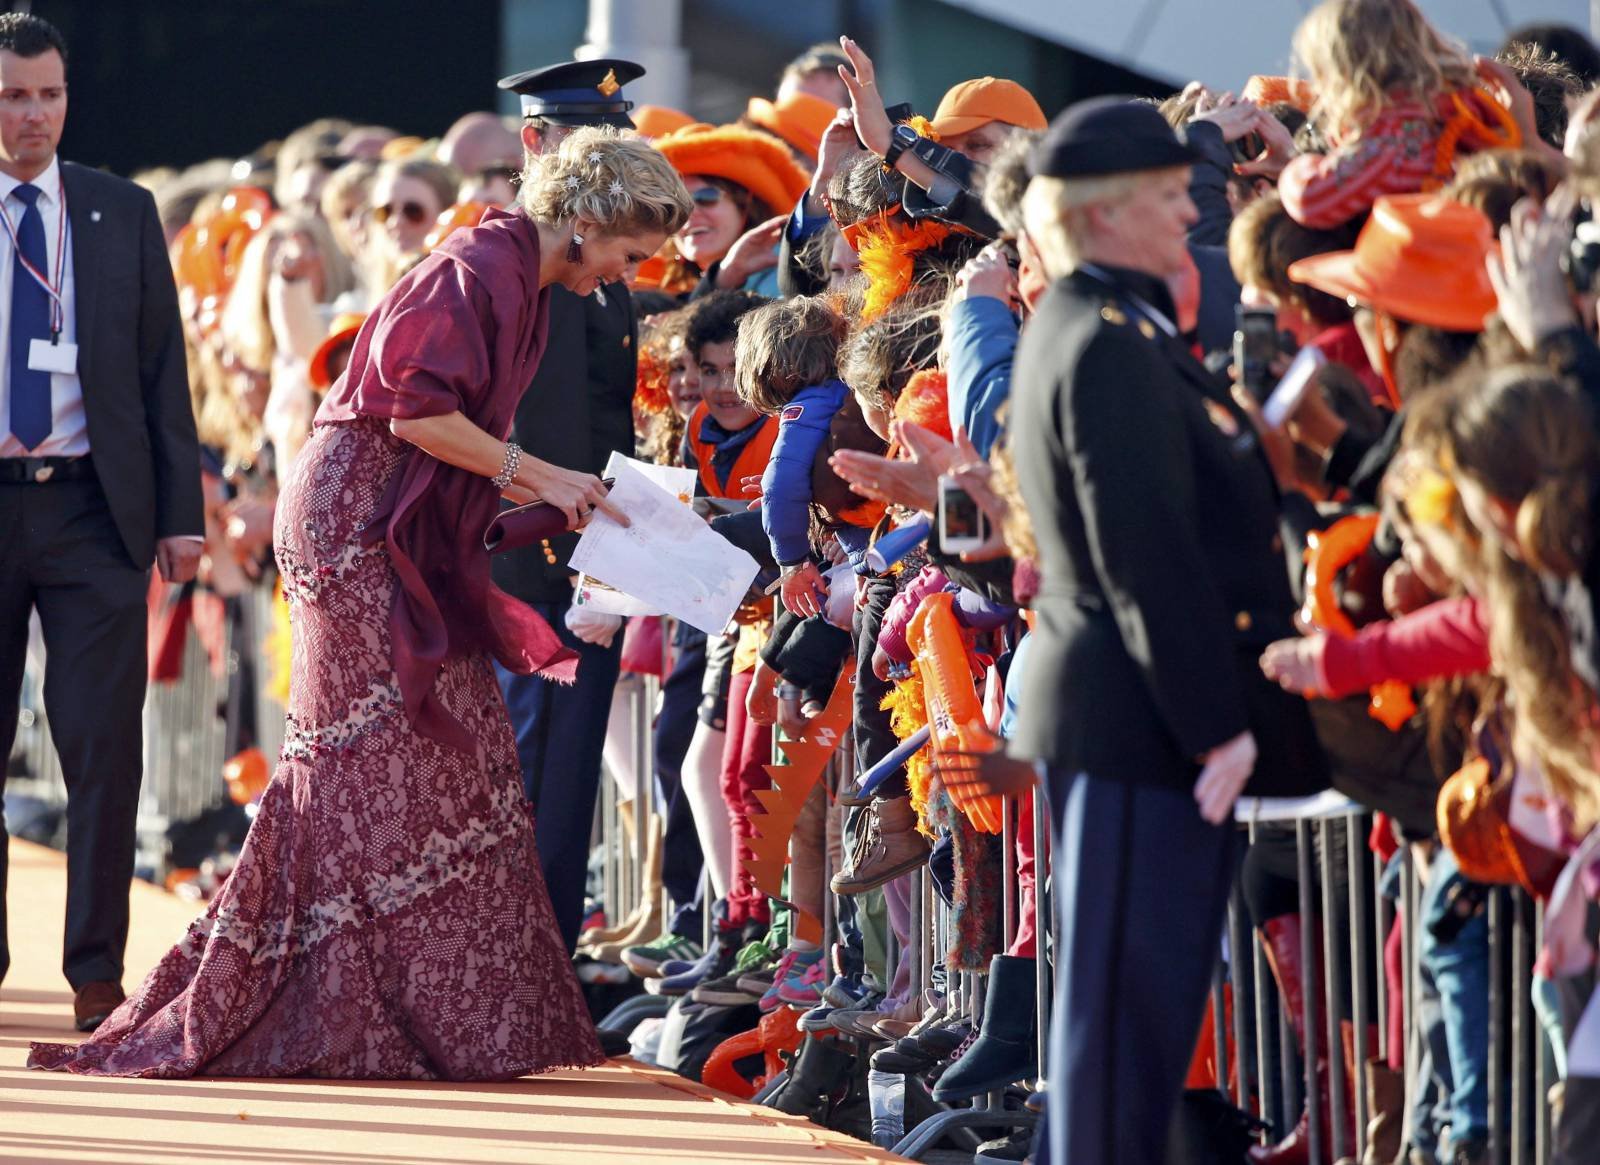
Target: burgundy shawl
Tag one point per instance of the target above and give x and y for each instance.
(462, 332)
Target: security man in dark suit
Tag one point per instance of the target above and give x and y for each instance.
(577, 411)
(1156, 515)
(99, 477)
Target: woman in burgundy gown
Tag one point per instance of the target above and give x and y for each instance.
(387, 918)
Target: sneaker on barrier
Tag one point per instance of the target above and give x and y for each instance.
(802, 986)
(648, 962)
(791, 963)
(714, 964)
(728, 991)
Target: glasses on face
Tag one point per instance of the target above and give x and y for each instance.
(510, 174)
(414, 213)
(708, 195)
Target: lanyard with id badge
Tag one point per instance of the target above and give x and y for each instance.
(53, 354)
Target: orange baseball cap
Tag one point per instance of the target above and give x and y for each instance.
(984, 99)
(799, 119)
(1420, 258)
(343, 331)
(654, 121)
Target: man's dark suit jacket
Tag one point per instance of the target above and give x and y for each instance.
(131, 362)
(578, 409)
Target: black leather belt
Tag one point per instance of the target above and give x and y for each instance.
(39, 470)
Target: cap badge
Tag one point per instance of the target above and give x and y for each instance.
(608, 84)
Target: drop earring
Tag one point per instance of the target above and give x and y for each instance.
(575, 248)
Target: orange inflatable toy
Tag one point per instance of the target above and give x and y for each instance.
(954, 710)
(778, 1032)
(207, 252)
(1327, 553)
(246, 774)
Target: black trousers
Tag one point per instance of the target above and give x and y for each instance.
(61, 555)
(682, 862)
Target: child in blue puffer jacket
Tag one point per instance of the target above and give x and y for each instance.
(786, 365)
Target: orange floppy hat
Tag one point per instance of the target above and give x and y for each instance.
(1420, 258)
(654, 121)
(799, 119)
(343, 331)
(1267, 90)
(981, 100)
(749, 157)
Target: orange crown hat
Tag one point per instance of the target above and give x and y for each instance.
(1420, 259)
(452, 218)
(976, 103)
(655, 121)
(799, 119)
(1293, 91)
(343, 331)
(749, 157)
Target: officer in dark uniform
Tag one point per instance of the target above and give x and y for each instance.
(1156, 515)
(577, 411)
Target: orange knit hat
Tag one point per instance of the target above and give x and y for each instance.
(799, 119)
(748, 157)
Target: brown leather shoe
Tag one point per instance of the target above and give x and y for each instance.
(890, 846)
(94, 1002)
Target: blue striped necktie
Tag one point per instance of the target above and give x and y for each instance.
(30, 320)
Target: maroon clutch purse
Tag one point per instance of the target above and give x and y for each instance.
(524, 525)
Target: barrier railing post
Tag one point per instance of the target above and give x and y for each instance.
(1043, 917)
(1241, 955)
(1524, 1048)
(1409, 973)
(1316, 1135)
(1360, 961)
(1498, 1059)
(1333, 964)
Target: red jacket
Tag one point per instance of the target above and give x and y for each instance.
(1447, 638)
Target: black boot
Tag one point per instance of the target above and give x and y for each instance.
(813, 1074)
(1005, 1050)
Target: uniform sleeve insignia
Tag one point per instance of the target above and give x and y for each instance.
(608, 84)
(792, 413)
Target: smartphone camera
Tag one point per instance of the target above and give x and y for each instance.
(1256, 348)
(963, 527)
(1581, 260)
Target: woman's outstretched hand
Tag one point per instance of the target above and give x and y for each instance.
(577, 495)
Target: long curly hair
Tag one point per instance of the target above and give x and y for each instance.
(1365, 55)
(1527, 439)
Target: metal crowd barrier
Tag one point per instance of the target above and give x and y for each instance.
(185, 730)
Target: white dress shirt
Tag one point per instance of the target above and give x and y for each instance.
(69, 435)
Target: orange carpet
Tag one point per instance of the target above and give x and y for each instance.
(624, 1112)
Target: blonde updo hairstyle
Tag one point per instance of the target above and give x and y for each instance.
(611, 178)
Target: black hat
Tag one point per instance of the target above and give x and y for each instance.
(1108, 135)
(577, 92)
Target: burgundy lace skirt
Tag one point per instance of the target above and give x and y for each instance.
(387, 918)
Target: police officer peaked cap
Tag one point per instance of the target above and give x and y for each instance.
(577, 92)
(1108, 135)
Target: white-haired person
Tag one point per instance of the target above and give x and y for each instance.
(1156, 515)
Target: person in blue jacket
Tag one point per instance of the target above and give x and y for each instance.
(786, 364)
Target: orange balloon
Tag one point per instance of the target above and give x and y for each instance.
(247, 774)
(1327, 553)
(197, 266)
(954, 710)
(452, 219)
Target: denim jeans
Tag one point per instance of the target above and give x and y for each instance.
(1459, 969)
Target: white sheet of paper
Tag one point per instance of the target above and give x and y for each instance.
(669, 558)
(43, 356)
(591, 592)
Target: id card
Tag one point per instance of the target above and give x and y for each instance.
(43, 356)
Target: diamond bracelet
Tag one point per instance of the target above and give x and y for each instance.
(508, 471)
